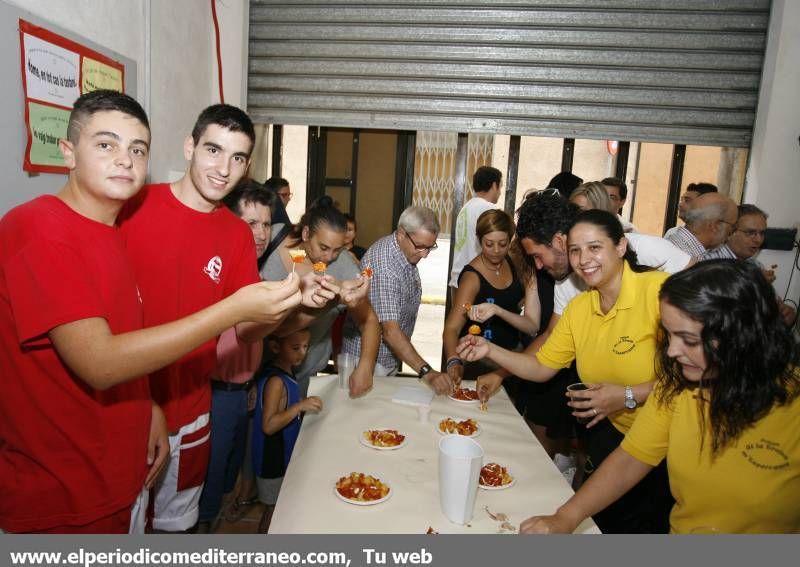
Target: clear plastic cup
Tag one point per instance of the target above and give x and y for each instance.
(346, 363)
(578, 387)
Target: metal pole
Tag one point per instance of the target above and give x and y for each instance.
(511, 177)
(458, 201)
(675, 181)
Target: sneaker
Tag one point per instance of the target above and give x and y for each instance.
(565, 462)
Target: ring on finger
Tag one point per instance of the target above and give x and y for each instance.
(595, 411)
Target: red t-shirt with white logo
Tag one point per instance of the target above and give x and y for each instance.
(185, 260)
(69, 454)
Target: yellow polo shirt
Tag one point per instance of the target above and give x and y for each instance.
(752, 486)
(617, 347)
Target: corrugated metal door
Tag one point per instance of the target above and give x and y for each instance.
(684, 71)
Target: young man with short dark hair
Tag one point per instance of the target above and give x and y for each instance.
(79, 434)
(189, 251)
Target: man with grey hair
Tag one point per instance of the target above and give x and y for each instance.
(710, 219)
(395, 293)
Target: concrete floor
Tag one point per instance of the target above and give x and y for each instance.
(427, 338)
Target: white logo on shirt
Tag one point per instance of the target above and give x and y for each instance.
(213, 269)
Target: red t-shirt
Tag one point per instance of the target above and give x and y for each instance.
(68, 454)
(184, 260)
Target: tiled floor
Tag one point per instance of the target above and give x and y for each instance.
(247, 525)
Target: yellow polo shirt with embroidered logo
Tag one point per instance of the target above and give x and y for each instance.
(617, 347)
(752, 486)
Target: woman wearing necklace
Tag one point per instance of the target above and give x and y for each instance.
(610, 332)
(490, 294)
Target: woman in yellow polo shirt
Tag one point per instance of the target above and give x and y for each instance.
(725, 414)
(610, 331)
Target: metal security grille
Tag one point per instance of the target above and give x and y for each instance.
(434, 170)
(683, 71)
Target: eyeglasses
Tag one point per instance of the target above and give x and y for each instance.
(751, 232)
(285, 195)
(420, 249)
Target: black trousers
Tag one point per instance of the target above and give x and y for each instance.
(645, 508)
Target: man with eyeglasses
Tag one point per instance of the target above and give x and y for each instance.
(748, 237)
(745, 243)
(395, 294)
(710, 219)
(281, 188)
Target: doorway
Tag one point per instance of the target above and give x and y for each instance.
(366, 174)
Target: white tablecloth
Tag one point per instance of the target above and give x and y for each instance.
(328, 448)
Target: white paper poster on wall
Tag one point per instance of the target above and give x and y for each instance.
(55, 72)
(51, 72)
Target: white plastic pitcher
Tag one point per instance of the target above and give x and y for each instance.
(460, 462)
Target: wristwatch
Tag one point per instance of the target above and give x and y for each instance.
(424, 369)
(630, 401)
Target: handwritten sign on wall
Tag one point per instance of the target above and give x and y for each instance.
(56, 71)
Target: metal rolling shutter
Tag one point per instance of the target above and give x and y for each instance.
(684, 71)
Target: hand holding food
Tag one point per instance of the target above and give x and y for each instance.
(267, 302)
(473, 347)
(354, 291)
(317, 290)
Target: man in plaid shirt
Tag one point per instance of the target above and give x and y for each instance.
(395, 293)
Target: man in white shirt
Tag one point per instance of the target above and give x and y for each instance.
(486, 183)
(617, 191)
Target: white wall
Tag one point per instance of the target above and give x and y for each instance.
(176, 70)
(119, 26)
(773, 177)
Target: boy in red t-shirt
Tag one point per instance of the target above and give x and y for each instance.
(80, 436)
(189, 251)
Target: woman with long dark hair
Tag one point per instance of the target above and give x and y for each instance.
(725, 413)
(610, 332)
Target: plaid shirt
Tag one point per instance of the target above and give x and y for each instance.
(684, 239)
(395, 293)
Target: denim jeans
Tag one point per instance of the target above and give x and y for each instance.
(228, 438)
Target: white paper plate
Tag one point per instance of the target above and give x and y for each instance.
(365, 502)
(465, 402)
(509, 485)
(371, 446)
(456, 419)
